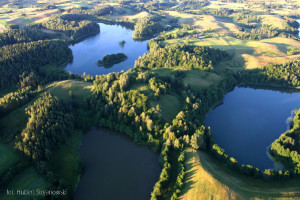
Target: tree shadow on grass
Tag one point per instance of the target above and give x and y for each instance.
(188, 182)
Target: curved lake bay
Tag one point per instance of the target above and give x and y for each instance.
(249, 120)
(87, 52)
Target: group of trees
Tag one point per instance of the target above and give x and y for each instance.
(290, 25)
(12, 100)
(178, 33)
(258, 33)
(125, 111)
(289, 29)
(50, 122)
(72, 25)
(164, 178)
(246, 18)
(192, 5)
(287, 147)
(146, 27)
(222, 12)
(187, 56)
(158, 87)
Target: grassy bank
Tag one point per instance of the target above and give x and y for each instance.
(208, 178)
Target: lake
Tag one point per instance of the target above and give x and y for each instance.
(298, 20)
(116, 168)
(89, 51)
(249, 120)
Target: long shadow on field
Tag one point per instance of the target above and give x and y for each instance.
(188, 183)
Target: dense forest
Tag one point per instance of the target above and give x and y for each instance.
(146, 27)
(186, 56)
(14, 36)
(18, 58)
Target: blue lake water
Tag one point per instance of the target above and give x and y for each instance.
(89, 51)
(298, 20)
(249, 120)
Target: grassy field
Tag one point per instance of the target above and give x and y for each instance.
(247, 54)
(13, 123)
(272, 20)
(199, 80)
(29, 179)
(79, 89)
(66, 159)
(8, 157)
(200, 184)
(207, 178)
(170, 105)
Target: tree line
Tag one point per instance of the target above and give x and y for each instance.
(286, 75)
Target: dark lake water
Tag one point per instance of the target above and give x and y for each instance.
(116, 168)
(249, 120)
(89, 51)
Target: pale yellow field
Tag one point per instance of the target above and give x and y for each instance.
(129, 17)
(250, 54)
(272, 20)
(206, 179)
(200, 184)
(217, 4)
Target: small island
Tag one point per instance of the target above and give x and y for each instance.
(110, 60)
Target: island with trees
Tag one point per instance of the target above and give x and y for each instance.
(109, 60)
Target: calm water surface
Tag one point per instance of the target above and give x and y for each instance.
(116, 168)
(298, 20)
(89, 51)
(249, 120)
